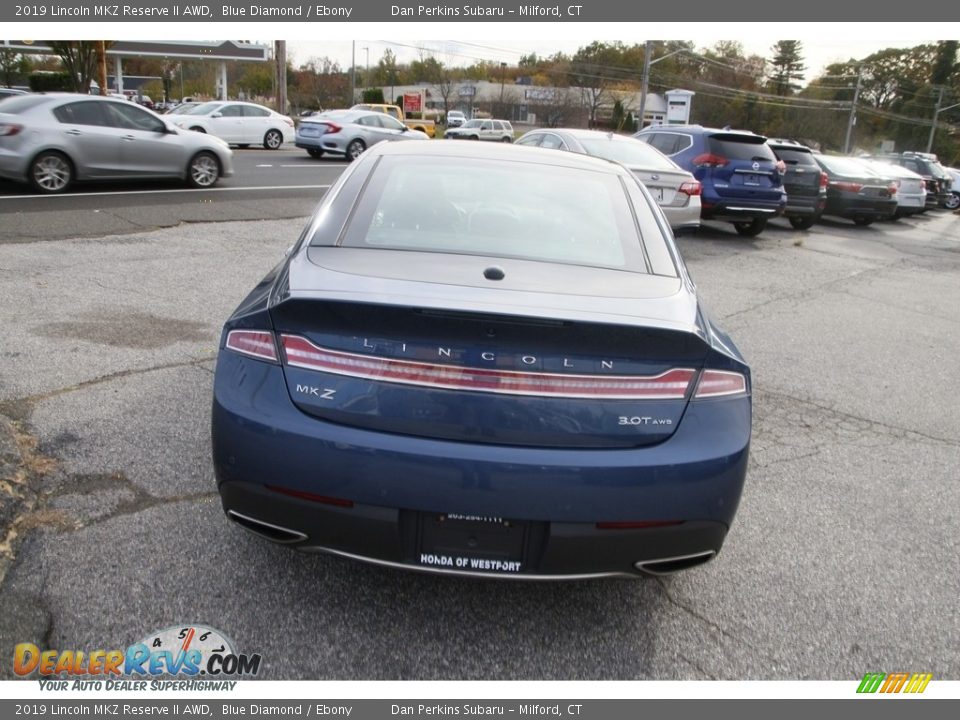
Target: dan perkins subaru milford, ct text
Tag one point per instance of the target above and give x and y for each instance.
(481, 11)
(510, 375)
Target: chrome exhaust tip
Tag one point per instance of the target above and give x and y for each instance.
(274, 533)
(668, 566)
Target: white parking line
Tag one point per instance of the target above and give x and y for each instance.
(264, 165)
(165, 192)
(314, 167)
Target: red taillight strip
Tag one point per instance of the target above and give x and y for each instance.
(670, 385)
(313, 497)
(718, 383)
(254, 343)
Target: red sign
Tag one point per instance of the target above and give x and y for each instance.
(412, 102)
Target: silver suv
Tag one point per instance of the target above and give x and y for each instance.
(496, 130)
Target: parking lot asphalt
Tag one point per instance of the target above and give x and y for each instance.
(843, 559)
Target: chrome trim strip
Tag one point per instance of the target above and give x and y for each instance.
(299, 536)
(463, 573)
(744, 209)
(641, 566)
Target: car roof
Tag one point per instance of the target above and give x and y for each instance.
(499, 151)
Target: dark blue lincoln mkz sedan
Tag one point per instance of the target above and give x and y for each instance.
(483, 360)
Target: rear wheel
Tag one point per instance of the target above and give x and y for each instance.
(751, 228)
(953, 202)
(51, 172)
(315, 152)
(204, 170)
(802, 223)
(862, 221)
(273, 140)
(355, 149)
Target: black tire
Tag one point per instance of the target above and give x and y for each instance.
(315, 153)
(273, 140)
(355, 149)
(198, 129)
(802, 223)
(953, 202)
(243, 146)
(750, 228)
(862, 221)
(51, 172)
(474, 137)
(203, 170)
(506, 139)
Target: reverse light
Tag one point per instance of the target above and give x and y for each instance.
(691, 188)
(257, 344)
(720, 383)
(9, 129)
(709, 160)
(669, 385)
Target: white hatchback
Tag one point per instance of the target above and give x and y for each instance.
(239, 123)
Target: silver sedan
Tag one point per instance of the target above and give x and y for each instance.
(675, 190)
(350, 132)
(51, 141)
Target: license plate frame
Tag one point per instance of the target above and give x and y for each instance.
(470, 543)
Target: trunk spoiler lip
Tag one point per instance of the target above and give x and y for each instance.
(504, 307)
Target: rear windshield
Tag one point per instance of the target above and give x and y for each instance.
(630, 152)
(795, 157)
(741, 147)
(496, 208)
(203, 108)
(845, 166)
(17, 104)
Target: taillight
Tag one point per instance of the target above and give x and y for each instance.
(709, 160)
(288, 121)
(332, 127)
(313, 497)
(719, 383)
(9, 129)
(253, 343)
(848, 186)
(691, 188)
(824, 180)
(670, 385)
(894, 186)
(781, 167)
(637, 524)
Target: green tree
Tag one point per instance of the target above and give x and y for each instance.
(786, 67)
(13, 66)
(78, 59)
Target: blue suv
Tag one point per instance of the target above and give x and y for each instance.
(741, 177)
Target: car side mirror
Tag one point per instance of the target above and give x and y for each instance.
(405, 129)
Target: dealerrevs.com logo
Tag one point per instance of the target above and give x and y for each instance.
(200, 657)
(894, 683)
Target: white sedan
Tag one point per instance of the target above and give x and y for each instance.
(239, 123)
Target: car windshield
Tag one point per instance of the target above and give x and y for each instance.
(496, 208)
(204, 108)
(630, 152)
(473, 123)
(795, 157)
(845, 166)
(741, 147)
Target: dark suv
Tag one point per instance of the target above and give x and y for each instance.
(741, 177)
(804, 181)
(937, 179)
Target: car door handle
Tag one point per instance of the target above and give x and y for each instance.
(128, 138)
(72, 132)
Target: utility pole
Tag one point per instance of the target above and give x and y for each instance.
(281, 58)
(353, 72)
(647, 50)
(102, 66)
(503, 70)
(853, 112)
(936, 112)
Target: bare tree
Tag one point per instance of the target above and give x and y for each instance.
(79, 61)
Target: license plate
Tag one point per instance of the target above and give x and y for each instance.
(657, 193)
(751, 179)
(309, 132)
(471, 543)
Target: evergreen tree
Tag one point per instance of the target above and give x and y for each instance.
(786, 67)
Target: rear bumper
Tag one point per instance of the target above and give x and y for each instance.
(735, 210)
(861, 208)
(804, 206)
(260, 439)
